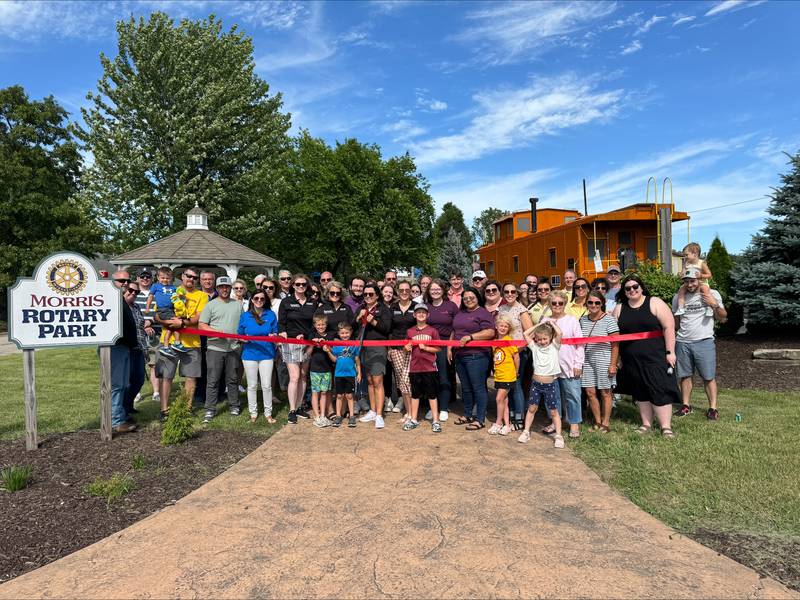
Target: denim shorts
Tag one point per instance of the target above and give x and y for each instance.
(700, 355)
(546, 392)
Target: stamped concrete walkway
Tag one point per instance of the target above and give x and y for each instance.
(385, 514)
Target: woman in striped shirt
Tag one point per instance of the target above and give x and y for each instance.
(600, 360)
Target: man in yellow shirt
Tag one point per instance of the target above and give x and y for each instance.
(190, 361)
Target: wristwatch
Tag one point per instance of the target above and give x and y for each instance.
(669, 352)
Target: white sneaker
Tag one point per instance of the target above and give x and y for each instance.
(494, 429)
(429, 416)
(320, 422)
(387, 404)
(137, 399)
(370, 416)
(157, 397)
(444, 415)
(397, 407)
(525, 437)
(504, 430)
(379, 424)
(558, 441)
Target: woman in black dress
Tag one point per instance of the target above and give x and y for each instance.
(647, 371)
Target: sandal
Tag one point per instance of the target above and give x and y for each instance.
(604, 429)
(667, 433)
(270, 419)
(595, 427)
(642, 430)
(253, 419)
(549, 430)
(463, 420)
(475, 426)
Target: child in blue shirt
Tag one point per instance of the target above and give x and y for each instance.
(163, 293)
(346, 374)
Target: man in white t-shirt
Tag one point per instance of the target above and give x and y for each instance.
(694, 341)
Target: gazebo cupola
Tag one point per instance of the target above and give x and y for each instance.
(197, 218)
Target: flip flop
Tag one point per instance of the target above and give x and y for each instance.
(549, 430)
(463, 421)
(642, 430)
(475, 426)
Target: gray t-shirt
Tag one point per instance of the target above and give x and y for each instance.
(695, 324)
(222, 316)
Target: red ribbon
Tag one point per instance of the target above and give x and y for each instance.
(276, 339)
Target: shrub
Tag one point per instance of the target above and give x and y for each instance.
(16, 478)
(112, 488)
(180, 423)
(660, 284)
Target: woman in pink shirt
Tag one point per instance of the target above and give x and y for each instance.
(570, 357)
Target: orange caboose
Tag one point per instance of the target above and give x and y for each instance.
(556, 239)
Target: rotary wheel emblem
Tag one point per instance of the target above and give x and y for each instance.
(66, 277)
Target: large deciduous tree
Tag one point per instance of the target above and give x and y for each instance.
(767, 279)
(348, 210)
(180, 117)
(39, 176)
(483, 226)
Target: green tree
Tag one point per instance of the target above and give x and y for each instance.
(660, 284)
(39, 176)
(720, 263)
(483, 225)
(180, 117)
(452, 257)
(767, 280)
(348, 210)
(451, 217)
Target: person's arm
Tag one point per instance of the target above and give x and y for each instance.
(580, 352)
(612, 367)
(525, 320)
(241, 329)
(149, 302)
(516, 361)
(705, 272)
(382, 321)
(450, 348)
(715, 303)
(664, 316)
(282, 317)
(558, 334)
(329, 352)
(358, 370)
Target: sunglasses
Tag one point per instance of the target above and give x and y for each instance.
(600, 288)
(477, 279)
(635, 286)
(492, 290)
(543, 290)
(404, 291)
(145, 277)
(593, 302)
(131, 291)
(337, 294)
(258, 299)
(509, 291)
(300, 284)
(191, 276)
(267, 287)
(557, 303)
(582, 286)
(285, 278)
(369, 294)
(238, 288)
(122, 280)
(324, 280)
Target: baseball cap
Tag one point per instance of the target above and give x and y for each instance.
(421, 306)
(613, 268)
(145, 272)
(690, 273)
(224, 281)
(479, 275)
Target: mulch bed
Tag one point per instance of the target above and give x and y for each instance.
(737, 369)
(55, 516)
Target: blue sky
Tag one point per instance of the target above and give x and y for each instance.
(501, 101)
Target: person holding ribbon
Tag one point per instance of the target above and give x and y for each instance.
(600, 360)
(258, 357)
(402, 321)
(374, 319)
(441, 313)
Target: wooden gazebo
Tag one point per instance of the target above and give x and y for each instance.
(198, 246)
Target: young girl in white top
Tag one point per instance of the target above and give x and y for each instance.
(544, 340)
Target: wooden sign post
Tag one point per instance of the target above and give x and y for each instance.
(65, 303)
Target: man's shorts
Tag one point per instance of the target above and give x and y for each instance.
(191, 364)
(544, 391)
(345, 385)
(504, 385)
(425, 386)
(321, 382)
(700, 355)
(374, 360)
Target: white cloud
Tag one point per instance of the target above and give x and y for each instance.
(649, 23)
(727, 5)
(268, 15)
(682, 20)
(428, 103)
(310, 44)
(634, 46)
(512, 118)
(512, 31)
(403, 130)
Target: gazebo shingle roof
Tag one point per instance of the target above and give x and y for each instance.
(195, 246)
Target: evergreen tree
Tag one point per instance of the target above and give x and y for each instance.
(767, 280)
(452, 257)
(451, 217)
(180, 117)
(720, 263)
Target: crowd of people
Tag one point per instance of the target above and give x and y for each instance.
(541, 361)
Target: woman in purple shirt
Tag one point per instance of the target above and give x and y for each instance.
(472, 323)
(441, 312)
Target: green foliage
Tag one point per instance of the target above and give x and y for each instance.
(451, 217)
(660, 284)
(453, 258)
(767, 280)
(113, 488)
(720, 263)
(16, 478)
(180, 422)
(39, 176)
(348, 210)
(180, 117)
(138, 462)
(483, 225)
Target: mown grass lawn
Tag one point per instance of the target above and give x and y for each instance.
(67, 394)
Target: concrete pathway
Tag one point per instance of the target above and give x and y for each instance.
(7, 347)
(386, 514)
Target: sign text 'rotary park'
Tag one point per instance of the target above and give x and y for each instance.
(65, 303)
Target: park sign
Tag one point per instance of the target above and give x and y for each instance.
(65, 303)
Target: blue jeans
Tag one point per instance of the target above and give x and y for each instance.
(136, 380)
(516, 394)
(571, 394)
(120, 380)
(444, 379)
(472, 369)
